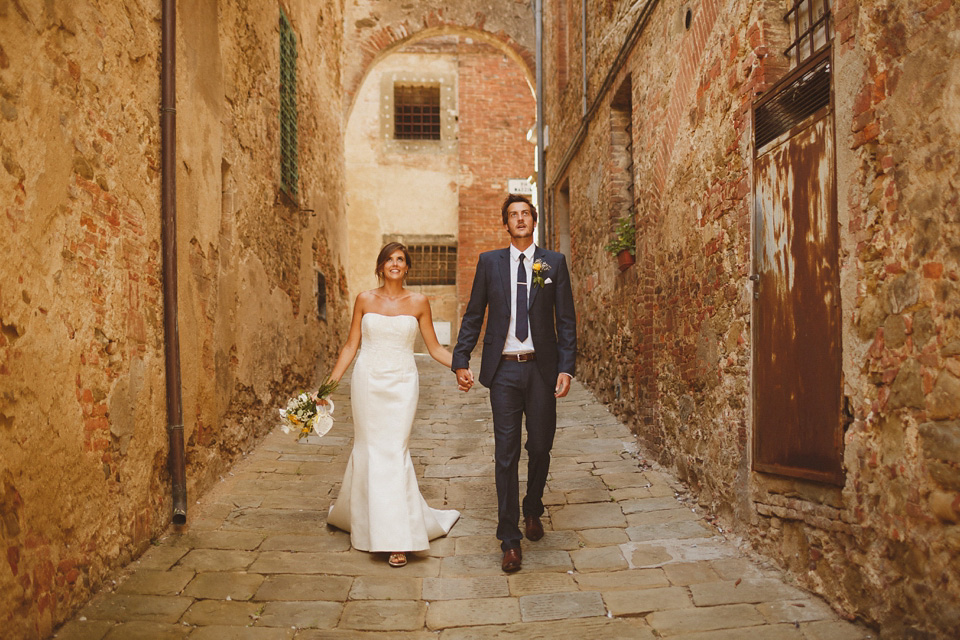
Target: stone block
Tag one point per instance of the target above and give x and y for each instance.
(644, 601)
(771, 632)
(222, 613)
(125, 608)
(217, 560)
(353, 563)
(82, 629)
(588, 516)
(803, 610)
(602, 537)
(944, 401)
(333, 540)
(159, 558)
(679, 621)
(302, 615)
(157, 583)
(561, 606)
(304, 587)
(751, 591)
(941, 440)
(622, 580)
(389, 587)
(669, 530)
(525, 584)
(598, 559)
(687, 573)
(239, 540)
(835, 630)
(444, 614)
(644, 505)
(465, 588)
(383, 615)
(225, 585)
(141, 630)
(575, 629)
(220, 632)
(278, 520)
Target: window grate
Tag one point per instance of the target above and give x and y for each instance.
(289, 174)
(800, 99)
(811, 28)
(416, 112)
(432, 264)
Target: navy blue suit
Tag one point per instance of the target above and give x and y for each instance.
(520, 388)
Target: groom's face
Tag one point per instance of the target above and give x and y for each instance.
(519, 220)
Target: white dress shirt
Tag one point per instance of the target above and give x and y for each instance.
(512, 345)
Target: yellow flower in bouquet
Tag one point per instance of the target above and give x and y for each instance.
(302, 411)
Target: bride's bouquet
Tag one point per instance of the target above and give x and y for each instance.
(303, 412)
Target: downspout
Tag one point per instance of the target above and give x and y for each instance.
(541, 168)
(168, 206)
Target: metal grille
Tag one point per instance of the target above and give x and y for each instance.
(788, 107)
(289, 177)
(810, 26)
(432, 264)
(416, 112)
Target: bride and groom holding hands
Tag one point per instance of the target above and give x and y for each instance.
(529, 353)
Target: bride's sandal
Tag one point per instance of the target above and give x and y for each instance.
(397, 559)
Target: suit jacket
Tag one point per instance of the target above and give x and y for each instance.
(553, 321)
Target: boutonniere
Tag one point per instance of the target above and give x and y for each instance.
(539, 268)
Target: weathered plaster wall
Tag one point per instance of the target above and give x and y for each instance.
(668, 343)
(84, 484)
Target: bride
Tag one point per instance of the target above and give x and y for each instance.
(380, 502)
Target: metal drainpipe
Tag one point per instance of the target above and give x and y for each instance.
(541, 167)
(168, 205)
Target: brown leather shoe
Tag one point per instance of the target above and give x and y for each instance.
(511, 560)
(533, 528)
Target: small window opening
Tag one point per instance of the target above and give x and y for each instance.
(416, 112)
(321, 296)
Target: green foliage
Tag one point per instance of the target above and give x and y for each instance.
(625, 238)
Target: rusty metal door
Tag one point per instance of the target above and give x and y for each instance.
(797, 355)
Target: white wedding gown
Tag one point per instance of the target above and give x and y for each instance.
(380, 502)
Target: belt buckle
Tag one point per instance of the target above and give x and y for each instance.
(523, 357)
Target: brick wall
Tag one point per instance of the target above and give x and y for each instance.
(497, 108)
(668, 343)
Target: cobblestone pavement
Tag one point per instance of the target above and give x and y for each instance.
(624, 556)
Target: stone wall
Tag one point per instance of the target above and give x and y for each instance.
(84, 484)
(668, 343)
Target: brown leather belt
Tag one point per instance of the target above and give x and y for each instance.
(519, 357)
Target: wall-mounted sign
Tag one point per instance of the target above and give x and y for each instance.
(523, 187)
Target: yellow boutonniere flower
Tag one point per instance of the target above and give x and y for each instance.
(539, 268)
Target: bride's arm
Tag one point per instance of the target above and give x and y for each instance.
(434, 348)
(349, 349)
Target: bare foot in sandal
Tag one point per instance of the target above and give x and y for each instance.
(397, 559)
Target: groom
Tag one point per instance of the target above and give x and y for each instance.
(529, 351)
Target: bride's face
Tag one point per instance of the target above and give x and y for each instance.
(395, 268)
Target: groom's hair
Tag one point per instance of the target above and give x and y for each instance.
(516, 197)
(385, 253)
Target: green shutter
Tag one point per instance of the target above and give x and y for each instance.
(289, 177)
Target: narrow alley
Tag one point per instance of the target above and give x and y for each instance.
(626, 554)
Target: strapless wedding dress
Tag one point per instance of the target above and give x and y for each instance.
(380, 502)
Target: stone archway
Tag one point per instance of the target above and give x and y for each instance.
(375, 28)
(487, 105)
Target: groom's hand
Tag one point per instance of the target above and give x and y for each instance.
(464, 379)
(563, 385)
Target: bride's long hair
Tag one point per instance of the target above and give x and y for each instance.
(385, 254)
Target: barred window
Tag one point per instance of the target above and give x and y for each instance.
(432, 264)
(810, 27)
(416, 112)
(289, 177)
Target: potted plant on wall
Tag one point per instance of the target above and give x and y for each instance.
(624, 243)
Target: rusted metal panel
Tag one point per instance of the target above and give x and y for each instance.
(797, 354)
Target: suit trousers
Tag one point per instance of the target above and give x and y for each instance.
(519, 390)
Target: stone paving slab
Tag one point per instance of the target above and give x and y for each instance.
(626, 554)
